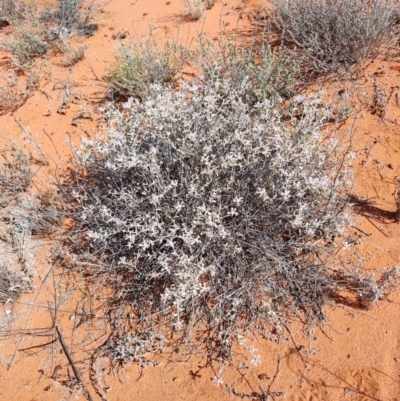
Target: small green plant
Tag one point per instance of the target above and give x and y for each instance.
(139, 65)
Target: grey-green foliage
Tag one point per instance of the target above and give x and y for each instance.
(140, 64)
(15, 173)
(22, 216)
(69, 15)
(26, 46)
(28, 40)
(38, 27)
(256, 71)
(334, 34)
(15, 179)
(14, 10)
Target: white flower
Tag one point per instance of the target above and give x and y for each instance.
(299, 98)
(238, 200)
(144, 245)
(346, 245)
(255, 360)
(285, 195)
(233, 212)
(181, 274)
(262, 193)
(165, 296)
(236, 301)
(155, 199)
(178, 206)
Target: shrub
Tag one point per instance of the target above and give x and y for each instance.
(27, 46)
(397, 199)
(334, 34)
(10, 95)
(29, 39)
(14, 10)
(261, 71)
(15, 179)
(37, 29)
(71, 16)
(209, 215)
(21, 217)
(74, 54)
(12, 280)
(7, 10)
(139, 65)
(196, 8)
(15, 173)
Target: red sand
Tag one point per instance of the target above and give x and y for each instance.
(355, 357)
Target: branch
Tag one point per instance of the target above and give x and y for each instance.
(71, 362)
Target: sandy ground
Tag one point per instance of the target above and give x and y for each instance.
(354, 357)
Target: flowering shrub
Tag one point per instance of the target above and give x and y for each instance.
(207, 213)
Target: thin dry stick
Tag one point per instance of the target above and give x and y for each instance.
(278, 369)
(397, 199)
(10, 364)
(262, 397)
(93, 377)
(20, 125)
(71, 362)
